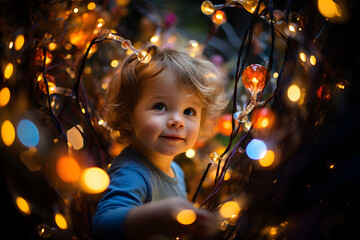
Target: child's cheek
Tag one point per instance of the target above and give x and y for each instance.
(151, 128)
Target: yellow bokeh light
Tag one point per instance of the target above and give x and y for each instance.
(94, 180)
(229, 209)
(4, 96)
(154, 39)
(7, 133)
(75, 137)
(268, 159)
(68, 169)
(23, 205)
(273, 231)
(292, 28)
(302, 56)
(19, 42)
(312, 60)
(9, 69)
(91, 6)
(294, 93)
(329, 9)
(60, 221)
(52, 46)
(114, 63)
(186, 217)
(190, 153)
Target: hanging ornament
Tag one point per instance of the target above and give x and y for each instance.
(39, 58)
(253, 79)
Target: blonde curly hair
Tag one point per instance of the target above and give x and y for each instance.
(200, 75)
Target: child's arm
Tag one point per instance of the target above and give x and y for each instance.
(159, 218)
(127, 190)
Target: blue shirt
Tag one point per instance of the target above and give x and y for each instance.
(134, 180)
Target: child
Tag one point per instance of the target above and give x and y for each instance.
(160, 109)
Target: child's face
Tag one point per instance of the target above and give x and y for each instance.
(166, 119)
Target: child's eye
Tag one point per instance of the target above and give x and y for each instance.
(190, 112)
(159, 107)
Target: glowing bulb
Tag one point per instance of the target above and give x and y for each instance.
(294, 93)
(23, 205)
(342, 84)
(7, 133)
(312, 60)
(19, 42)
(302, 56)
(190, 153)
(94, 180)
(91, 6)
(292, 28)
(214, 156)
(194, 43)
(207, 8)
(329, 9)
(263, 118)
(44, 230)
(256, 149)
(28, 133)
(253, 77)
(186, 217)
(76, 10)
(229, 209)
(60, 221)
(219, 17)
(100, 22)
(4, 96)
(68, 169)
(144, 56)
(9, 69)
(114, 63)
(41, 83)
(268, 159)
(155, 39)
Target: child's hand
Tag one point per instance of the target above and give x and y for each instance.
(160, 218)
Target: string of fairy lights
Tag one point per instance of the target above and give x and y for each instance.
(91, 179)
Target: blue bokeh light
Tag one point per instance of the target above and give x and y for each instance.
(27, 133)
(256, 149)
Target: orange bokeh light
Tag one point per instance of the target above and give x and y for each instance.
(219, 17)
(263, 118)
(68, 169)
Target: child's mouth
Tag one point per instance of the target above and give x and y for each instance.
(174, 138)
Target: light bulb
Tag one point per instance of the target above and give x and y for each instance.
(254, 77)
(250, 5)
(144, 56)
(219, 17)
(207, 8)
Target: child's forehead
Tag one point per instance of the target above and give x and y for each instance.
(167, 84)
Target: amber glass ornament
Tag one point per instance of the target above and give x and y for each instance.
(254, 77)
(41, 84)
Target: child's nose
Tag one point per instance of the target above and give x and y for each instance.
(175, 121)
